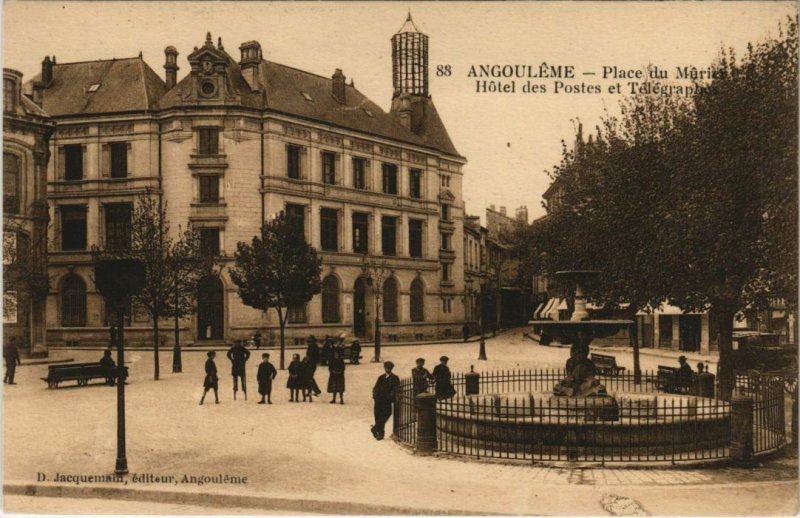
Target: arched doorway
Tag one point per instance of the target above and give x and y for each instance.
(211, 309)
(360, 308)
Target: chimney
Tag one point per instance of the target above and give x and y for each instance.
(171, 66)
(47, 77)
(492, 207)
(337, 86)
(250, 62)
(503, 211)
(47, 70)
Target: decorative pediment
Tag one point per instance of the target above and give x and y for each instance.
(446, 195)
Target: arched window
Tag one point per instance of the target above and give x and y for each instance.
(417, 301)
(73, 302)
(11, 184)
(330, 300)
(390, 300)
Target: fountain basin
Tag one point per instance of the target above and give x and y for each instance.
(606, 426)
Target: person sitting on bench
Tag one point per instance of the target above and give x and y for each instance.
(683, 377)
(110, 367)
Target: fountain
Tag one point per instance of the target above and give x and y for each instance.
(579, 331)
(580, 418)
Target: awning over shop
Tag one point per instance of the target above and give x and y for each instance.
(669, 309)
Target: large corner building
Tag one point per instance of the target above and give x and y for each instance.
(230, 144)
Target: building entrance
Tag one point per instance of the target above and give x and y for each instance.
(359, 308)
(211, 309)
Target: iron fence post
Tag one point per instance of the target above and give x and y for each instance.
(742, 429)
(426, 423)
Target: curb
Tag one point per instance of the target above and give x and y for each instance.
(218, 500)
(47, 361)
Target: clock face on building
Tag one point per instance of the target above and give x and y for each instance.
(208, 88)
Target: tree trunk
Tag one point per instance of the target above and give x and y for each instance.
(177, 361)
(282, 324)
(637, 371)
(155, 348)
(726, 366)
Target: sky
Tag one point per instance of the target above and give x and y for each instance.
(509, 139)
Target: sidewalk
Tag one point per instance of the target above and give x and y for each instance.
(321, 458)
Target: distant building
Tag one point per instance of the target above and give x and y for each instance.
(512, 292)
(231, 144)
(26, 132)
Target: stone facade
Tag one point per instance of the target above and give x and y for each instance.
(26, 131)
(230, 145)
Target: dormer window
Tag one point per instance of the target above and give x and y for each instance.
(9, 95)
(307, 97)
(93, 88)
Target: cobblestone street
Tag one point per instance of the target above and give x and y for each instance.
(311, 457)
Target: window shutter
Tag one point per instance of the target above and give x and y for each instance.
(61, 164)
(105, 166)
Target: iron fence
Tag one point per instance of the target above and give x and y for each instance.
(513, 416)
(769, 418)
(635, 427)
(405, 416)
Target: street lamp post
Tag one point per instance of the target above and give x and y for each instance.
(375, 274)
(117, 280)
(472, 294)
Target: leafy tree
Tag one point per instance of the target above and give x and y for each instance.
(277, 270)
(691, 202)
(188, 266)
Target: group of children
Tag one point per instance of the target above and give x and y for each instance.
(301, 372)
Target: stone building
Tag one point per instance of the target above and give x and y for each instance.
(26, 131)
(234, 142)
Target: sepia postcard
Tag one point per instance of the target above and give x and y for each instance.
(400, 258)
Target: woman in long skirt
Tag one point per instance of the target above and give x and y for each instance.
(295, 381)
(336, 378)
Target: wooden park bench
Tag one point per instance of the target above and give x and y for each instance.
(667, 381)
(80, 372)
(605, 364)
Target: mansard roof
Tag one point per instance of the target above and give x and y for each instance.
(129, 85)
(125, 85)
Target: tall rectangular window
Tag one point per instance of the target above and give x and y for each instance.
(73, 162)
(415, 183)
(119, 159)
(118, 226)
(445, 241)
(445, 212)
(208, 141)
(209, 189)
(360, 233)
(328, 168)
(73, 227)
(296, 216)
(389, 235)
(415, 238)
(293, 162)
(329, 230)
(359, 173)
(11, 184)
(9, 95)
(389, 178)
(209, 241)
(446, 272)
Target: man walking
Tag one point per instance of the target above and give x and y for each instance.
(384, 393)
(11, 356)
(238, 355)
(211, 381)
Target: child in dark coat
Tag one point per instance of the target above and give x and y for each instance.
(295, 381)
(211, 380)
(266, 373)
